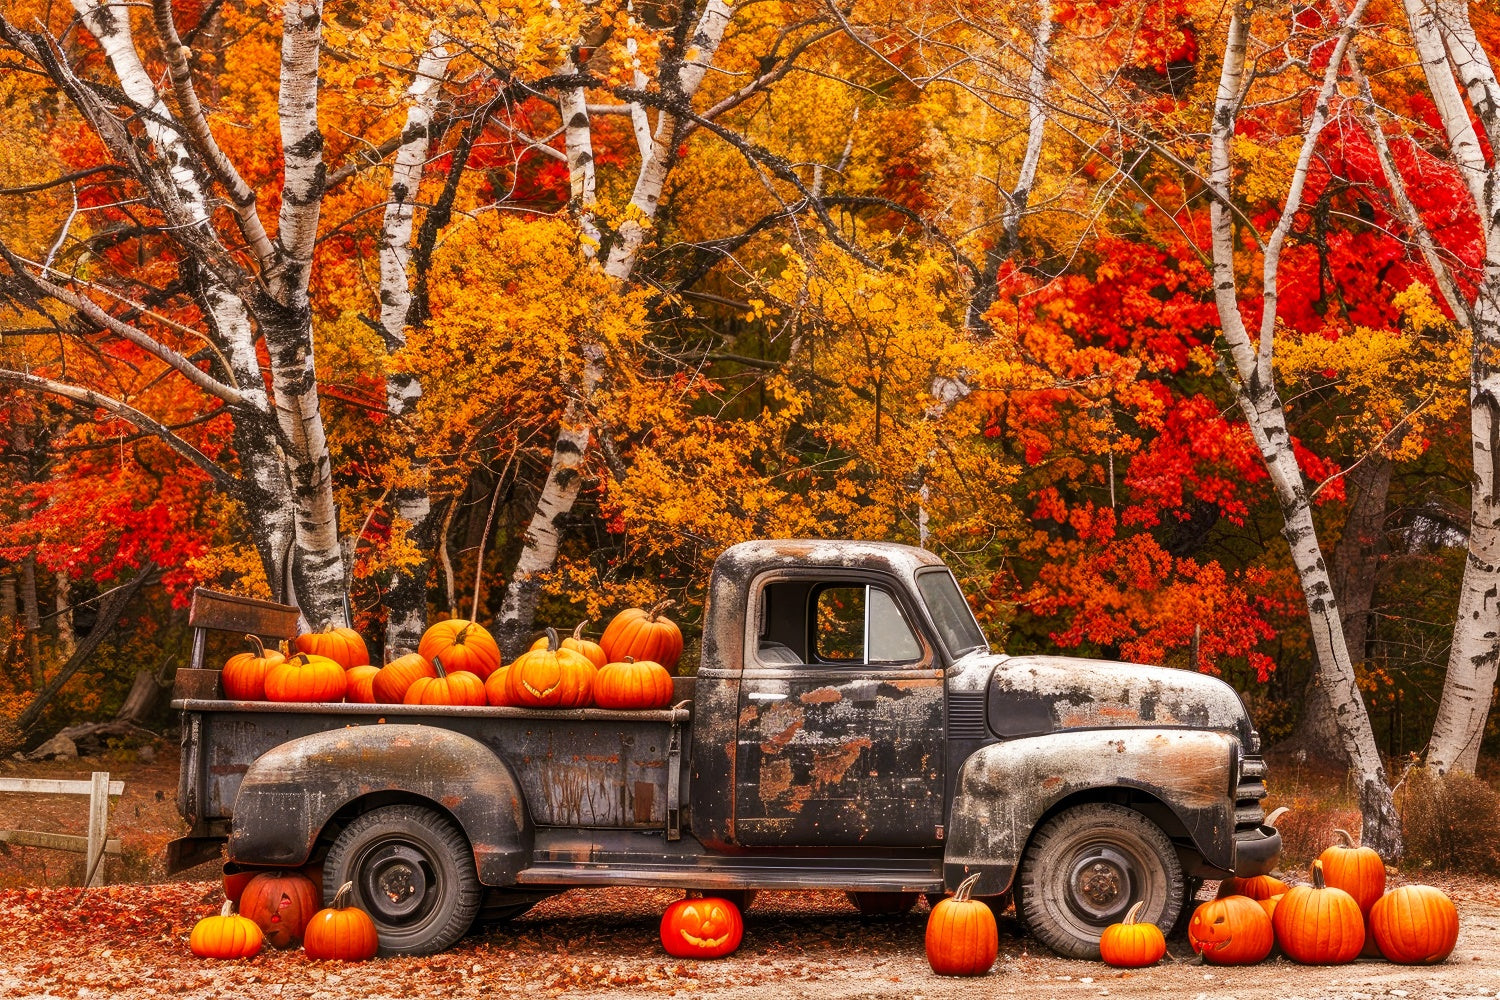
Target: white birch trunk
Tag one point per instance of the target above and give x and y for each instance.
(578, 141)
(1255, 386)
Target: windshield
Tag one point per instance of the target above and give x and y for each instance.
(950, 612)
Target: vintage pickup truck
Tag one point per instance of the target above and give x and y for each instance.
(849, 728)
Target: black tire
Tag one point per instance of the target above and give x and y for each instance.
(1085, 867)
(413, 873)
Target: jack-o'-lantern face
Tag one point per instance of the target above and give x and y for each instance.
(280, 903)
(1233, 930)
(701, 928)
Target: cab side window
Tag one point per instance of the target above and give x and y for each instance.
(861, 623)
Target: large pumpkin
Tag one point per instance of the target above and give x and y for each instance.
(962, 937)
(395, 677)
(1318, 924)
(341, 931)
(306, 677)
(1132, 945)
(361, 683)
(227, 935)
(1233, 930)
(458, 687)
(633, 685)
(1255, 886)
(342, 645)
(244, 674)
(645, 635)
(550, 678)
(1414, 925)
(280, 903)
(701, 928)
(461, 645)
(1356, 870)
(591, 650)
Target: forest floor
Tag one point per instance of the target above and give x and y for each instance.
(129, 938)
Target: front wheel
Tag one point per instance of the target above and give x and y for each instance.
(1086, 867)
(413, 873)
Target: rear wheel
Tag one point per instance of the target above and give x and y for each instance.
(1085, 868)
(413, 873)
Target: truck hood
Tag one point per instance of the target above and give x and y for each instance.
(1033, 695)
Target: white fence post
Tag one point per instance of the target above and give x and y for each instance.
(98, 825)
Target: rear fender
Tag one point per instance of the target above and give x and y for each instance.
(1005, 789)
(291, 793)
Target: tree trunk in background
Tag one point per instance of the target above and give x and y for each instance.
(31, 621)
(63, 602)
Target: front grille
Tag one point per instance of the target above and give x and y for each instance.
(1248, 813)
(966, 716)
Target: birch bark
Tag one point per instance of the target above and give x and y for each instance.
(1254, 382)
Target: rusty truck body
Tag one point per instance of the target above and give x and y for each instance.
(848, 728)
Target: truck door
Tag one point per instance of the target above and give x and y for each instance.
(841, 729)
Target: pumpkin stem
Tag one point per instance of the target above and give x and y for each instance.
(341, 898)
(965, 888)
(658, 608)
(458, 637)
(1345, 836)
(1134, 913)
(437, 664)
(1275, 815)
(578, 632)
(629, 659)
(260, 647)
(227, 908)
(1317, 875)
(553, 643)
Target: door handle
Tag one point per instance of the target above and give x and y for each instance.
(765, 696)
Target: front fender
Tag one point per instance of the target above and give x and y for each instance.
(1004, 789)
(291, 791)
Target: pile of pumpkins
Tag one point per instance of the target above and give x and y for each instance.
(457, 662)
(279, 908)
(1335, 919)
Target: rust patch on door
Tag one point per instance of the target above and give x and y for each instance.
(830, 766)
(822, 696)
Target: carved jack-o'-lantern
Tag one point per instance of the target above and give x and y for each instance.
(701, 928)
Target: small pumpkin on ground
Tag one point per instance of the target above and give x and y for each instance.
(457, 687)
(1132, 945)
(710, 927)
(1318, 924)
(342, 645)
(550, 678)
(1233, 930)
(592, 651)
(341, 930)
(633, 685)
(244, 674)
(1269, 904)
(280, 903)
(227, 935)
(306, 677)
(1415, 925)
(962, 937)
(361, 681)
(397, 676)
(235, 882)
(1356, 870)
(1255, 886)
(645, 635)
(459, 644)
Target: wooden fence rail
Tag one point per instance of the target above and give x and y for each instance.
(94, 846)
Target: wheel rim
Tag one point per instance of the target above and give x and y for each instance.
(398, 882)
(1100, 884)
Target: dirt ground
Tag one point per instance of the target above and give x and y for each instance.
(130, 940)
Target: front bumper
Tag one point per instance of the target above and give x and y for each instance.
(1256, 851)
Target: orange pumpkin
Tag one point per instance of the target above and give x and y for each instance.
(962, 937)
(306, 677)
(633, 685)
(591, 650)
(244, 674)
(280, 903)
(235, 880)
(227, 935)
(1256, 887)
(1233, 930)
(361, 681)
(341, 931)
(342, 645)
(1270, 904)
(457, 688)
(645, 635)
(701, 928)
(461, 645)
(1132, 945)
(1356, 870)
(1318, 924)
(496, 687)
(1415, 925)
(397, 676)
(550, 678)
